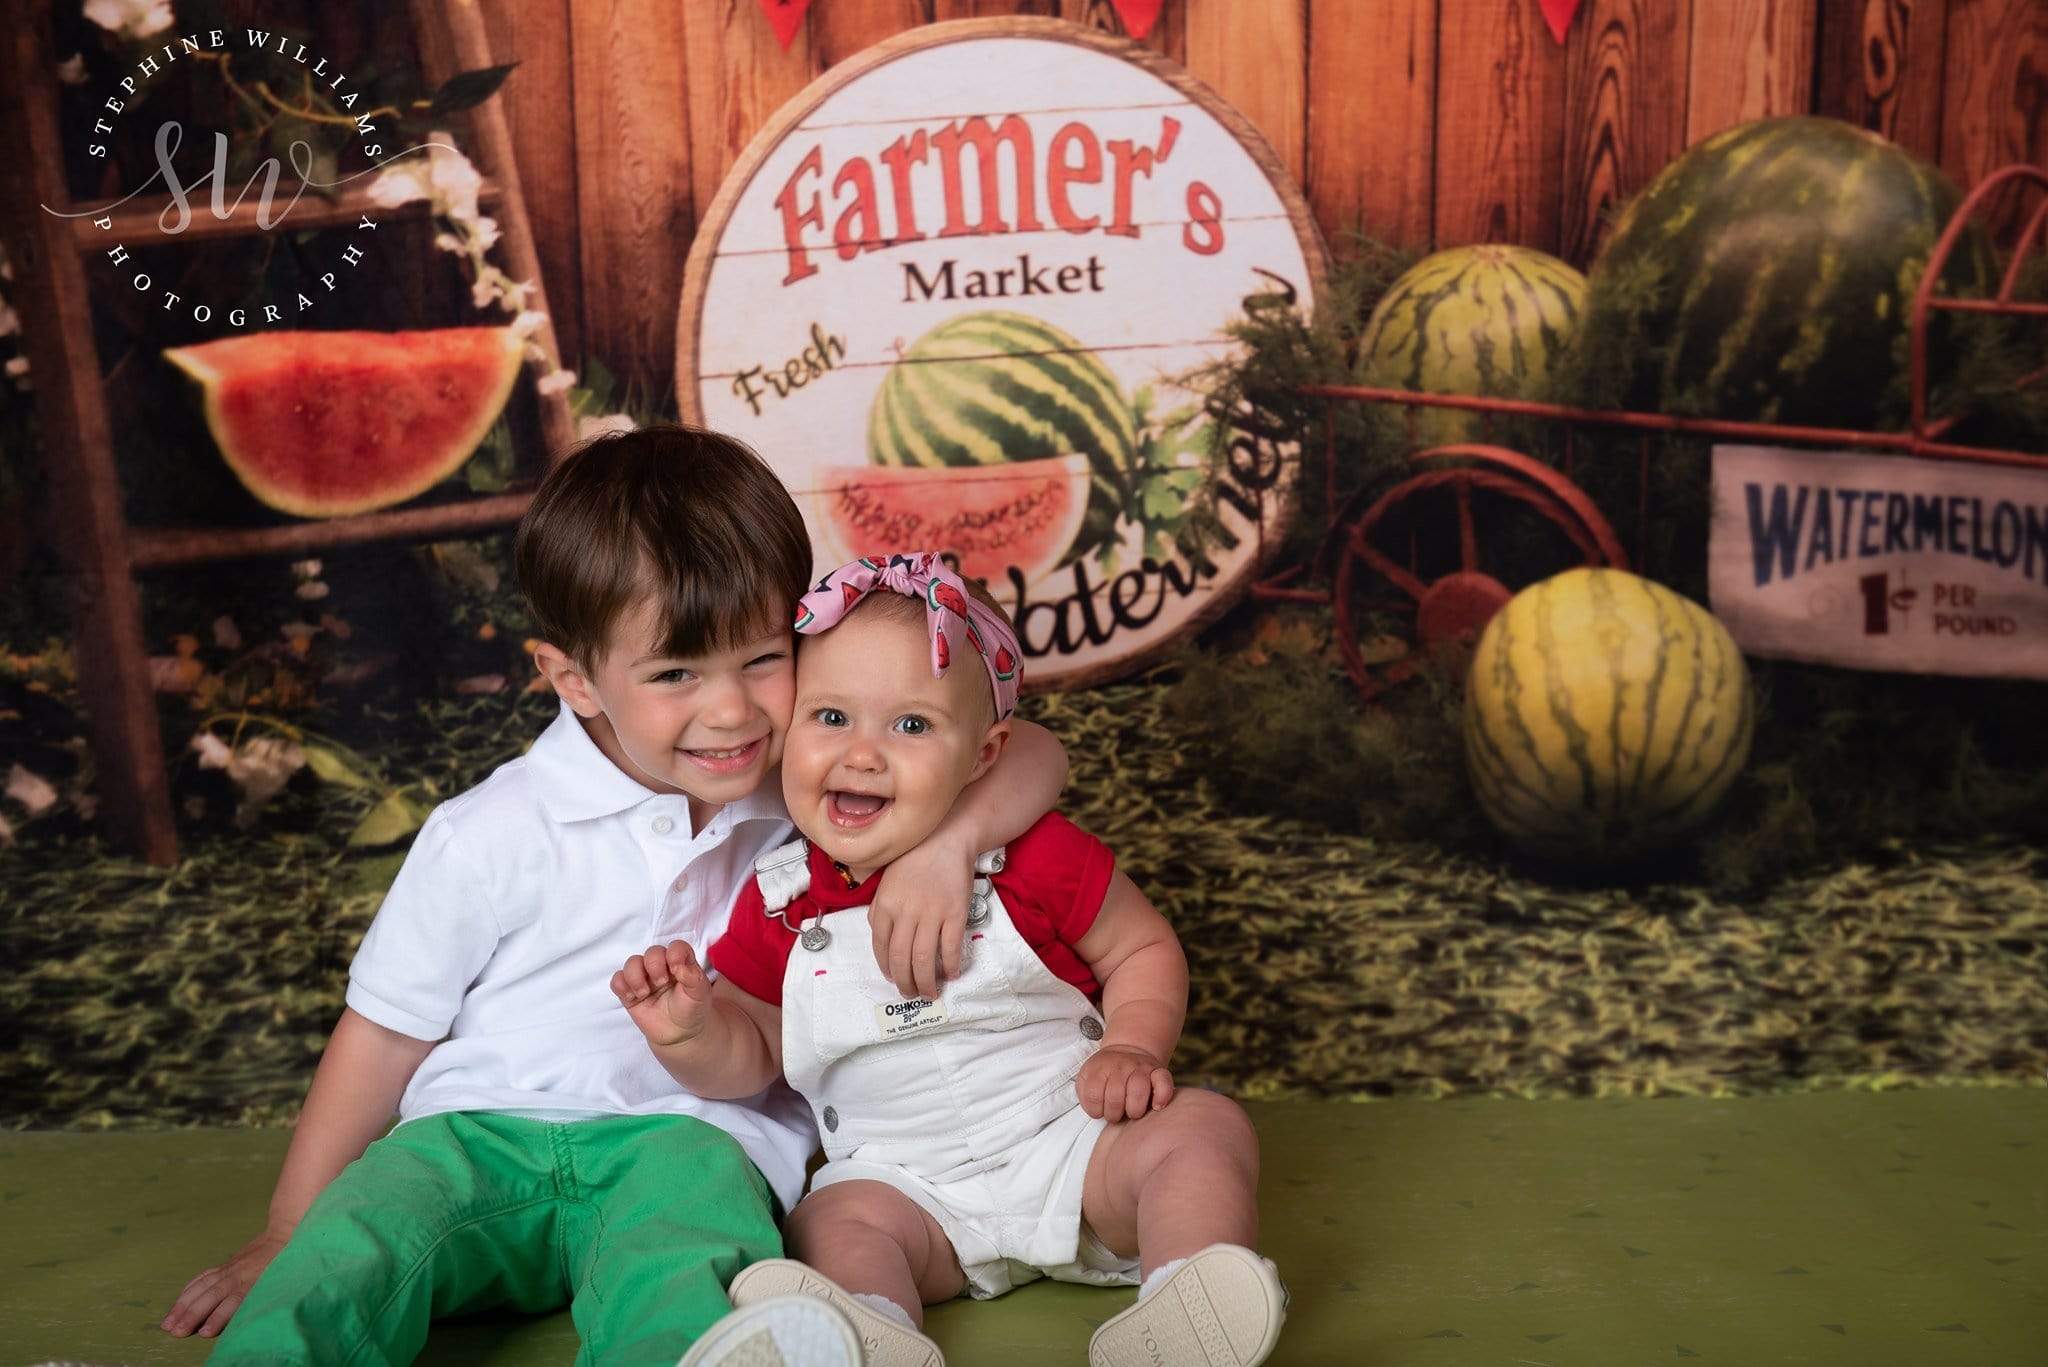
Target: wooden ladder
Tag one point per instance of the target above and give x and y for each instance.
(102, 554)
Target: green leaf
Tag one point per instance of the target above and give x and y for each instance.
(391, 820)
(330, 767)
(466, 89)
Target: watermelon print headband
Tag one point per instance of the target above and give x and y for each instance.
(955, 618)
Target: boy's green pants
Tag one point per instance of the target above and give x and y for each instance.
(636, 1222)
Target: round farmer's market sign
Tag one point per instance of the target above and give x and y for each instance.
(954, 292)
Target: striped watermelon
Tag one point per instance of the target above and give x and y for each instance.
(1605, 716)
(995, 386)
(1770, 271)
(1472, 320)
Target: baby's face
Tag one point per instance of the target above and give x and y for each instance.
(878, 749)
(710, 726)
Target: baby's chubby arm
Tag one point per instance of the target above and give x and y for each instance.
(1137, 958)
(717, 1040)
(355, 1091)
(919, 916)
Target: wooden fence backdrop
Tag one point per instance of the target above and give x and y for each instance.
(1429, 122)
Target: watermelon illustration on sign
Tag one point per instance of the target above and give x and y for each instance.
(324, 424)
(992, 391)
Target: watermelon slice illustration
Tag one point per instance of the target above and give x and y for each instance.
(324, 424)
(1025, 514)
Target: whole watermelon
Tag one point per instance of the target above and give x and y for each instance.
(996, 386)
(1485, 320)
(1605, 717)
(1768, 275)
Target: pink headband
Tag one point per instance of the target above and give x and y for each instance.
(954, 616)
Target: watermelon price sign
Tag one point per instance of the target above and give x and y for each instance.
(1880, 562)
(954, 292)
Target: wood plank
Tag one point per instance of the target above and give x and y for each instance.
(140, 219)
(1624, 111)
(1372, 121)
(634, 162)
(1997, 95)
(536, 34)
(1880, 68)
(1499, 125)
(840, 28)
(166, 547)
(1256, 57)
(89, 528)
(739, 76)
(1751, 59)
(1169, 35)
(992, 9)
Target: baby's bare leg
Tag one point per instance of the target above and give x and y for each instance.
(870, 1237)
(1173, 1182)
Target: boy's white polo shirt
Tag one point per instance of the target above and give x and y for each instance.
(519, 900)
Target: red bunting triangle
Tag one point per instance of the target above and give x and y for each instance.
(785, 17)
(1138, 15)
(1558, 14)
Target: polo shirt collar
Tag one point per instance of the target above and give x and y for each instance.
(575, 781)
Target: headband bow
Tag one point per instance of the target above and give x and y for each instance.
(956, 620)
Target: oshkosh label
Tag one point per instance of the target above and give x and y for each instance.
(961, 306)
(1880, 562)
(900, 1018)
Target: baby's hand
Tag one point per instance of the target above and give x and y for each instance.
(1123, 1082)
(666, 992)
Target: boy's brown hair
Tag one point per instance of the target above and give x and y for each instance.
(693, 519)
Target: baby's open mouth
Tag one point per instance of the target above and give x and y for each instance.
(854, 810)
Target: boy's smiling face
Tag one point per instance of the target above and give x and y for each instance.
(709, 726)
(878, 749)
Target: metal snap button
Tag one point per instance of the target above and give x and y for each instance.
(814, 937)
(978, 912)
(664, 824)
(831, 1119)
(1091, 1027)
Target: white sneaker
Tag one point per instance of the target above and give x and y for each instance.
(1223, 1307)
(887, 1343)
(789, 1331)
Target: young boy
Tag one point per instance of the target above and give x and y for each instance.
(1009, 1127)
(542, 1156)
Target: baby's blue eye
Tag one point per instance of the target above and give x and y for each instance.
(831, 716)
(913, 726)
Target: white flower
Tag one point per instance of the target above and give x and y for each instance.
(10, 322)
(311, 591)
(400, 182)
(72, 70)
(32, 791)
(592, 425)
(486, 232)
(528, 323)
(306, 569)
(455, 181)
(130, 18)
(212, 751)
(554, 382)
(260, 769)
(16, 367)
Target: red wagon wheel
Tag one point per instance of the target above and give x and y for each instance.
(1452, 609)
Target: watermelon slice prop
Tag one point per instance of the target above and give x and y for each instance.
(326, 424)
(1024, 514)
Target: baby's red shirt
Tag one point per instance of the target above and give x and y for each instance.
(1054, 878)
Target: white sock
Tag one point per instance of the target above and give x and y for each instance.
(1156, 1278)
(882, 1305)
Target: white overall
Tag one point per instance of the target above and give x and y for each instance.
(965, 1104)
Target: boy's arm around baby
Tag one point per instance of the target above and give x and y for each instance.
(718, 1041)
(355, 1092)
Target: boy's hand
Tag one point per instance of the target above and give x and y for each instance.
(1123, 1082)
(210, 1299)
(919, 917)
(667, 993)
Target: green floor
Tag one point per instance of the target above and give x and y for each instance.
(1902, 1228)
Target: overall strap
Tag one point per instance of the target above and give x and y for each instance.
(784, 874)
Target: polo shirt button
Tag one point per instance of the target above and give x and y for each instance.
(1091, 1027)
(663, 825)
(831, 1119)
